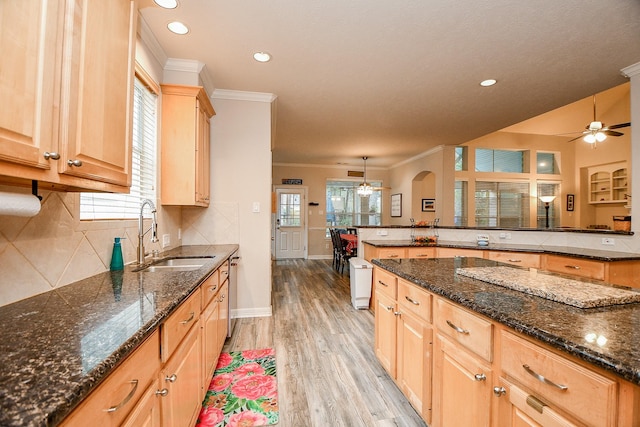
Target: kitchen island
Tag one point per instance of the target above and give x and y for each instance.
(604, 340)
(57, 347)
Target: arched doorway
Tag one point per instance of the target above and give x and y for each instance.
(423, 195)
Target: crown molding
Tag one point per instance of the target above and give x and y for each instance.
(310, 165)
(191, 66)
(239, 95)
(149, 39)
(631, 70)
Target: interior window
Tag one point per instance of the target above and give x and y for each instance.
(345, 207)
(460, 203)
(488, 160)
(502, 204)
(547, 163)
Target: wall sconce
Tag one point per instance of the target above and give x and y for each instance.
(546, 200)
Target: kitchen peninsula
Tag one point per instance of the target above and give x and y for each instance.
(508, 354)
(60, 346)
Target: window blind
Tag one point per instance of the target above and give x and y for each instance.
(502, 204)
(103, 206)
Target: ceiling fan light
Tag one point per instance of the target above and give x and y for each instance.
(590, 138)
(600, 136)
(595, 126)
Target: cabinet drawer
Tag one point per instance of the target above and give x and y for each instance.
(457, 252)
(112, 401)
(414, 299)
(385, 282)
(179, 323)
(392, 253)
(224, 271)
(576, 266)
(419, 252)
(466, 328)
(516, 258)
(588, 396)
(209, 289)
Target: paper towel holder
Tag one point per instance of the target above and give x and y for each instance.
(34, 189)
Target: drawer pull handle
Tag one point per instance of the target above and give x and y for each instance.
(126, 399)
(573, 267)
(394, 256)
(388, 307)
(162, 392)
(411, 301)
(457, 329)
(193, 314)
(382, 283)
(225, 272)
(480, 377)
(543, 379)
(171, 379)
(514, 260)
(213, 288)
(397, 313)
(499, 391)
(422, 254)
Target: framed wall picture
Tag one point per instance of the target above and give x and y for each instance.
(396, 205)
(428, 205)
(570, 201)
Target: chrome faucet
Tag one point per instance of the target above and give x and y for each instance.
(141, 232)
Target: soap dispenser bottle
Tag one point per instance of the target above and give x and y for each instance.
(117, 262)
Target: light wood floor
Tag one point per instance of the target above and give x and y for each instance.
(328, 375)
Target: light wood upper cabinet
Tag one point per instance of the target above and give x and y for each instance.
(67, 116)
(186, 114)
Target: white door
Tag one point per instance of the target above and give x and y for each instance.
(291, 223)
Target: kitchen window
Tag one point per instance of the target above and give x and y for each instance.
(346, 208)
(108, 206)
(488, 160)
(502, 204)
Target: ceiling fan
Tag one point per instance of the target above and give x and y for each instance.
(597, 131)
(365, 188)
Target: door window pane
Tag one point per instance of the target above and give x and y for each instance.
(290, 210)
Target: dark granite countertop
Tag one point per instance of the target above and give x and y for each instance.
(58, 346)
(595, 254)
(562, 326)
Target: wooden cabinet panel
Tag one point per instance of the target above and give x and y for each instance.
(111, 402)
(186, 113)
(209, 289)
(464, 327)
(182, 377)
(575, 266)
(414, 362)
(97, 90)
(459, 252)
(210, 317)
(421, 252)
(385, 282)
(179, 323)
(588, 396)
(147, 411)
(391, 253)
(414, 299)
(223, 318)
(521, 259)
(385, 335)
(462, 387)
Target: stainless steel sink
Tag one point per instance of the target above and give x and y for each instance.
(177, 264)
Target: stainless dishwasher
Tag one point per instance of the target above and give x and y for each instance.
(233, 293)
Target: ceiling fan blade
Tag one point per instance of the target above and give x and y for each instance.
(619, 126)
(613, 133)
(577, 137)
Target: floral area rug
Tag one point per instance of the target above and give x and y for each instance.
(243, 391)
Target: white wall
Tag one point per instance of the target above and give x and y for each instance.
(240, 177)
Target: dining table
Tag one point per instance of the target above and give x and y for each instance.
(351, 241)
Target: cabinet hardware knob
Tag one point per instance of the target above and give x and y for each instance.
(499, 391)
(53, 156)
(184, 322)
(127, 398)
(171, 379)
(222, 297)
(77, 163)
(480, 377)
(389, 307)
(543, 379)
(162, 392)
(414, 302)
(457, 329)
(397, 313)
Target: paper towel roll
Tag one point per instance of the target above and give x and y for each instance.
(14, 204)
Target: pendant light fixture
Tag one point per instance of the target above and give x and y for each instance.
(365, 188)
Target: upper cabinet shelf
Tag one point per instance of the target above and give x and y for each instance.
(609, 183)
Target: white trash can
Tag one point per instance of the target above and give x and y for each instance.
(360, 272)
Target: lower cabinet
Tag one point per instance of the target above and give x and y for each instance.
(147, 411)
(181, 377)
(462, 386)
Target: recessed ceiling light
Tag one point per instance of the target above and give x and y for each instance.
(167, 4)
(262, 56)
(488, 82)
(178, 27)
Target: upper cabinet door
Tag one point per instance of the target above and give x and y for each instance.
(97, 89)
(28, 39)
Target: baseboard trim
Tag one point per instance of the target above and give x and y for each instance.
(251, 312)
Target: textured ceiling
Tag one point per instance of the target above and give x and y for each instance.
(392, 79)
